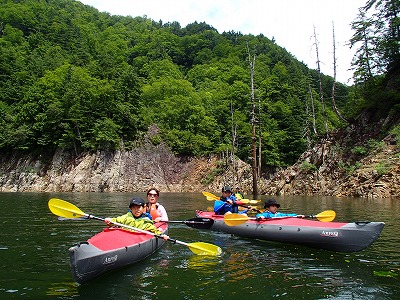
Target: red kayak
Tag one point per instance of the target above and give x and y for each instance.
(111, 249)
(335, 236)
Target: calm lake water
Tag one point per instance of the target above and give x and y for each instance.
(35, 263)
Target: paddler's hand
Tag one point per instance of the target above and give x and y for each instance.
(165, 237)
(108, 221)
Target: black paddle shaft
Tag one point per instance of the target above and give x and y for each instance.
(199, 223)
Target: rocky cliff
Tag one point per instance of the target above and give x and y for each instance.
(119, 171)
(355, 161)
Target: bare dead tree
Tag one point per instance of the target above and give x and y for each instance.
(320, 85)
(233, 138)
(234, 142)
(313, 110)
(259, 139)
(252, 62)
(334, 77)
(307, 129)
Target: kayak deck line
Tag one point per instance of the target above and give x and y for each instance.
(113, 238)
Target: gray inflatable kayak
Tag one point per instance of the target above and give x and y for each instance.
(335, 236)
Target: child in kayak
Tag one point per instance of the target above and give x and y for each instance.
(271, 211)
(238, 194)
(136, 217)
(228, 203)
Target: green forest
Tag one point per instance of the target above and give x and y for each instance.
(74, 78)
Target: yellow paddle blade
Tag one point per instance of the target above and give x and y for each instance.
(210, 197)
(249, 201)
(235, 219)
(326, 216)
(68, 210)
(201, 248)
(65, 209)
(207, 194)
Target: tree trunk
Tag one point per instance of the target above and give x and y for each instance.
(307, 131)
(334, 78)
(233, 145)
(253, 125)
(313, 111)
(259, 168)
(320, 86)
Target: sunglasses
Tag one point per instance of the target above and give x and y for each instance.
(150, 194)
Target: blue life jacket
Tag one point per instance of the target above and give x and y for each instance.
(221, 207)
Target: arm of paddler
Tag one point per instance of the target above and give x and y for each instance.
(264, 215)
(240, 203)
(149, 226)
(280, 215)
(111, 221)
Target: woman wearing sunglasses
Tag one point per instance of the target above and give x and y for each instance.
(156, 210)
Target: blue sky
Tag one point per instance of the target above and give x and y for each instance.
(290, 22)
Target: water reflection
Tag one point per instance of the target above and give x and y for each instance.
(201, 263)
(65, 289)
(35, 264)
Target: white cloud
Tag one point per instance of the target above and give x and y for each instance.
(290, 22)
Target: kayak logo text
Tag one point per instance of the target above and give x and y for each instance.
(330, 233)
(110, 259)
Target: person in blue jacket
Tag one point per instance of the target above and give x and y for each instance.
(271, 211)
(228, 203)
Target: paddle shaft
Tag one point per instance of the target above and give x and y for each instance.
(129, 227)
(202, 221)
(191, 221)
(68, 210)
(298, 216)
(138, 230)
(249, 207)
(212, 197)
(234, 203)
(72, 219)
(238, 219)
(210, 249)
(325, 216)
(191, 246)
(199, 223)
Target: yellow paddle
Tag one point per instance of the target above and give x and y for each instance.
(238, 219)
(68, 210)
(212, 197)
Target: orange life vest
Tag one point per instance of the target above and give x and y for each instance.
(153, 212)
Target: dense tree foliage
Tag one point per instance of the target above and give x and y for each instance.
(377, 60)
(74, 78)
(377, 31)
